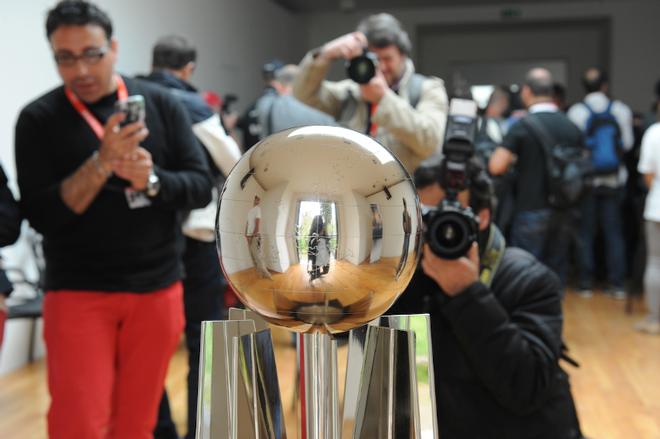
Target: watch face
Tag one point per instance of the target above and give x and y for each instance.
(153, 185)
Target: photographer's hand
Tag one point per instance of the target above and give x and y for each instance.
(375, 89)
(347, 47)
(453, 276)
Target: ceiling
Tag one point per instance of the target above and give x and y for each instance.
(305, 6)
(328, 160)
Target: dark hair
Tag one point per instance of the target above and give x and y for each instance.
(384, 30)
(657, 89)
(539, 82)
(77, 13)
(172, 52)
(594, 79)
(481, 186)
(318, 225)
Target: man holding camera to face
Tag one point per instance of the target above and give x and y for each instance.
(107, 195)
(384, 98)
(496, 315)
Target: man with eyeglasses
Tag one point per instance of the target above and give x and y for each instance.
(107, 198)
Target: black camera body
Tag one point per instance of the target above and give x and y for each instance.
(451, 229)
(362, 69)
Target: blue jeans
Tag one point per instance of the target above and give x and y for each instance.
(602, 209)
(545, 233)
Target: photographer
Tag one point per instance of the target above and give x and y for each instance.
(496, 321)
(400, 109)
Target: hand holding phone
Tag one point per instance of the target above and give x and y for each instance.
(133, 107)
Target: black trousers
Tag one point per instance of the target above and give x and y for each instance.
(203, 289)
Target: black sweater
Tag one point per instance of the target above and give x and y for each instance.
(496, 353)
(109, 247)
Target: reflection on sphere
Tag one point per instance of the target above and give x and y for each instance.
(318, 229)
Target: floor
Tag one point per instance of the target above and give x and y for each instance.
(617, 387)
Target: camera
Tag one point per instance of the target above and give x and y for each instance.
(362, 68)
(133, 107)
(450, 229)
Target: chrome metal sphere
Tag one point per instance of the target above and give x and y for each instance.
(318, 229)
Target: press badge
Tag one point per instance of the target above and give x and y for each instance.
(136, 199)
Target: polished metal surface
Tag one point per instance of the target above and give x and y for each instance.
(318, 229)
(319, 398)
(377, 355)
(238, 388)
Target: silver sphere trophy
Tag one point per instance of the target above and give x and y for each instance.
(318, 231)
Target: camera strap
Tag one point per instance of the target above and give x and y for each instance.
(81, 108)
(492, 255)
(372, 127)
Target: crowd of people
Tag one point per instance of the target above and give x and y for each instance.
(127, 210)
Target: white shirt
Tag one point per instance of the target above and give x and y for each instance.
(224, 152)
(649, 163)
(598, 102)
(253, 215)
(543, 107)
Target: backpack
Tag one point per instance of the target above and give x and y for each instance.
(567, 166)
(603, 138)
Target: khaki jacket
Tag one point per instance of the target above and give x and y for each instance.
(412, 134)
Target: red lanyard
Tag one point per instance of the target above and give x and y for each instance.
(374, 127)
(81, 108)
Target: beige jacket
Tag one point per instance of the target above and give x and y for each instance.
(412, 134)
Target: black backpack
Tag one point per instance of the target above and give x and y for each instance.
(568, 167)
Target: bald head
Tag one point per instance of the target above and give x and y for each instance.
(540, 82)
(287, 74)
(284, 79)
(594, 80)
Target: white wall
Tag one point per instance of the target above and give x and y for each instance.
(276, 210)
(635, 34)
(355, 236)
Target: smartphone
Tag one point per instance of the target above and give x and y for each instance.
(133, 107)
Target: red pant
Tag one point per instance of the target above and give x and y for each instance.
(108, 355)
(3, 317)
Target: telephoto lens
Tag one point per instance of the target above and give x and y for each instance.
(362, 68)
(451, 229)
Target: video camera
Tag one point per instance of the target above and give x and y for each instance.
(362, 68)
(450, 229)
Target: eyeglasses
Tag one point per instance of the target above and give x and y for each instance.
(88, 57)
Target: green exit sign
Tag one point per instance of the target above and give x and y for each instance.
(509, 13)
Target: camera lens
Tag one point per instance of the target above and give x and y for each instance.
(361, 68)
(450, 234)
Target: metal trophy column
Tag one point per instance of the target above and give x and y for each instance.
(319, 401)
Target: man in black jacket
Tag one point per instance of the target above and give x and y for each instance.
(173, 63)
(107, 198)
(496, 339)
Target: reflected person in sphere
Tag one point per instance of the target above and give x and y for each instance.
(255, 243)
(407, 228)
(496, 321)
(318, 248)
(376, 234)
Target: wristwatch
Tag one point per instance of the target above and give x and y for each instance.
(153, 184)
